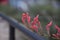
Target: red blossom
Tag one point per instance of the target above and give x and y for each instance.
(57, 28)
(36, 18)
(49, 25)
(35, 28)
(35, 23)
(55, 35)
(24, 17)
(28, 19)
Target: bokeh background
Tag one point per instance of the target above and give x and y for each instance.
(45, 8)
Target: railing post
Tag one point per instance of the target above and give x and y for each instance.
(12, 33)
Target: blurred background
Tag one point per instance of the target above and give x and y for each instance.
(45, 8)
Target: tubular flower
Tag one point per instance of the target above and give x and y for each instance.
(35, 20)
(57, 35)
(48, 26)
(57, 28)
(35, 28)
(35, 23)
(24, 17)
(28, 19)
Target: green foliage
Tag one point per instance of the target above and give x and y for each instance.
(11, 12)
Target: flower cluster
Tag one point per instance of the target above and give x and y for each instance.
(35, 24)
(57, 35)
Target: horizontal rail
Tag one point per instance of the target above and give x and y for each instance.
(21, 28)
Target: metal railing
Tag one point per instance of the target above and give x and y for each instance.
(14, 25)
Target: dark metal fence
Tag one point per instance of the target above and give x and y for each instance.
(14, 25)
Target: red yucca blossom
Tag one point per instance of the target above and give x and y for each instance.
(28, 19)
(25, 17)
(35, 23)
(35, 20)
(57, 28)
(57, 35)
(35, 28)
(48, 26)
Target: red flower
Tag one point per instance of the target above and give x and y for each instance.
(35, 28)
(57, 28)
(55, 35)
(49, 25)
(35, 20)
(28, 18)
(35, 23)
(24, 17)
